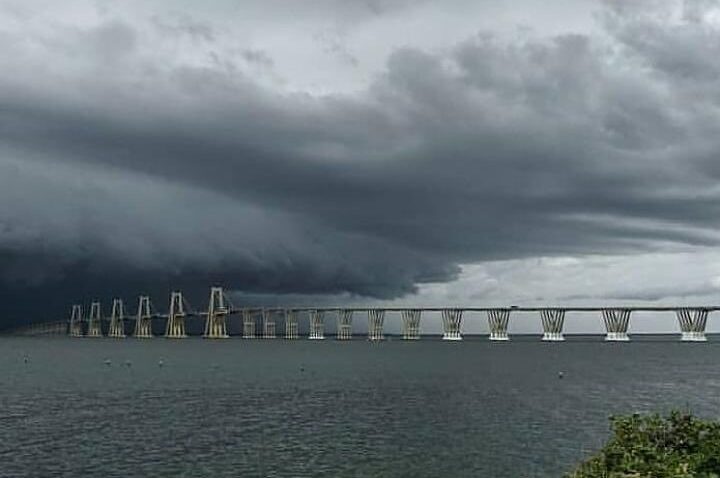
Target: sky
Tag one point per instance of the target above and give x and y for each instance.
(379, 152)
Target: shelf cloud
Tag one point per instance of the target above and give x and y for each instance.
(147, 150)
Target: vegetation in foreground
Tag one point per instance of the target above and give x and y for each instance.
(652, 446)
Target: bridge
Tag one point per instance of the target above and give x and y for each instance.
(261, 321)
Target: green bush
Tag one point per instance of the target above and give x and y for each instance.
(653, 446)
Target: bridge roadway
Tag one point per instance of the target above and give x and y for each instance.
(692, 322)
(642, 308)
(692, 319)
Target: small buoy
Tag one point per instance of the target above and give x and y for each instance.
(25, 359)
(107, 362)
(561, 375)
(160, 363)
(128, 363)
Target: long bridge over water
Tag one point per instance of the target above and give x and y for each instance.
(261, 321)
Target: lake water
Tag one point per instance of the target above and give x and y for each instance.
(276, 408)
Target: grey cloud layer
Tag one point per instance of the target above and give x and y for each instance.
(121, 170)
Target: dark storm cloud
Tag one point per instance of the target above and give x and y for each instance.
(122, 173)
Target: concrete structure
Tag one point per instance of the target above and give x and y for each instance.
(175, 326)
(117, 320)
(498, 322)
(317, 324)
(248, 324)
(553, 321)
(616, 324)
(692, 319)
(344, 324)
(143, 320)
(268, 324)
(215, 323)
(291, 324)
(94, 328)
(76, 319)
(411, 323)
(692, 324)
(376, 320)
(452, 321)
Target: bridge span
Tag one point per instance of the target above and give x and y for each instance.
(261, 321)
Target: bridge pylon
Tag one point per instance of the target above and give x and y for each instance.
(143, 319)
(117, 320)
(95, 321)
(616, 324)
(692, 324)
(452, 321)
(215, 323)
(76, 319)
(411, 324)
(175, 327)
(498, 321)
(553, 321)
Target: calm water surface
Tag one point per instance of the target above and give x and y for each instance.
(254, 408)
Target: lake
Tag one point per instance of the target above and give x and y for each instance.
(278, 408)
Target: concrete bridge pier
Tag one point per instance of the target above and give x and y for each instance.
(248, 324)
(344, 324)
(216, 320)
(411, 324)
(291, 324)
(75, 329)
(117, 320)
(268, 320)
(175, 327)
(616, 324)
(95, 321)
(317, 325)
(452, 321)
(498, 321)
(376, 320)
(143, 320)
(692, 324)
(553, 321)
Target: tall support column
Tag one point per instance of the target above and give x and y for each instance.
(268, 324)
(248, 324)
(376, 320)
(317, 324)
(117, 320)
(344, 324)
(175, 327)
(215, 323)
(553, 321)
(411, 324)
(143, 320)
(692, 324)
(75, 329)
(498, 321)
(452, 320)
(291, 324)
(95, 321)
(616, 324)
